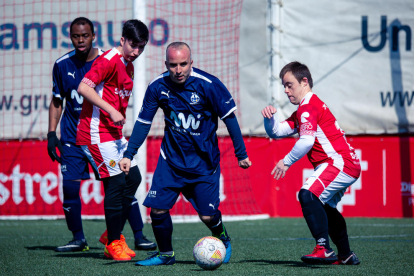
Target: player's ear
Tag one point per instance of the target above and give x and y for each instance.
(122, 41)
(93, 37)
(305, 81)
(166, 64)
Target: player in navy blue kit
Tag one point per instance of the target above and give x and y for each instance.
(68, 72)
(192, 102)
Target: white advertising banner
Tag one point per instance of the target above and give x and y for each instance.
(361, 57)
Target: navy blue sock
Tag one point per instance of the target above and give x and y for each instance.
(72, 207)
(337, 230)
(163, 229)
(216, 226)
(315, 217)
(133, 179)
(135, 219)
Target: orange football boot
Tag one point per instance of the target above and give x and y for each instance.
(127, 250)
(104, 238)
(115, 251)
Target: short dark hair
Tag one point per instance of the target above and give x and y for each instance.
(299, 70)
(82, 21)
(135, 30)
(177, 45)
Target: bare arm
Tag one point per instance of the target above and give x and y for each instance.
(55, 111)
(90, 94)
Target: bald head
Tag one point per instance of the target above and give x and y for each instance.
(178, 62)
(177, 46)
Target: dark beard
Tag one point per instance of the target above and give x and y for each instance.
(83, 55)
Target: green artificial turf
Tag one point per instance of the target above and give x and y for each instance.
(262, 247)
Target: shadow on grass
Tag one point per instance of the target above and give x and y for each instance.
(79, 255)
(286, 263)
(185, 262)
(52, 248)
(117, 262)
(47, 248)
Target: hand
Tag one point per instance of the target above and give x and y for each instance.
(280, 170)
(52, 143)
(245, 163)
(268, 111)
(117, 118)
(125, 164)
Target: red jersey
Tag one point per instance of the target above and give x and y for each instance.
(314, 118)
(112, 78)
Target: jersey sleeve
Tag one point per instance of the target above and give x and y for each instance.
(57, 83)
(221, 100)
(276, 129)
(149, 106)
(102, 70)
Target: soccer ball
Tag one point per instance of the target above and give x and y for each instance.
(209, 253)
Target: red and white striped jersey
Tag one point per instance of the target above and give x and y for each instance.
(314, 118)
(112, 78)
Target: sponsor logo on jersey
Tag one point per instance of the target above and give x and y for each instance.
(304, 116)
(74, 95)
(229, 100)
(180, 120)
(112, 163)
(123, 93)
(194, 98)
(307, 129)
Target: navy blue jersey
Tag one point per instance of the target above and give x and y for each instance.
(68, 72)
(191, 113)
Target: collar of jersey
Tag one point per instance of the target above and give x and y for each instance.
(122, 57)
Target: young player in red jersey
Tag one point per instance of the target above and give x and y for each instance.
(336, 164)
(107, 88)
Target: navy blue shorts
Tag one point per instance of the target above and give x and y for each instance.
(201, 190)
(74, 163)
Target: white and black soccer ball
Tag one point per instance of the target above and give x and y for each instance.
(209, 253)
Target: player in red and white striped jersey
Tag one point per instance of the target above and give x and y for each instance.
(335, 162)
(107, 88)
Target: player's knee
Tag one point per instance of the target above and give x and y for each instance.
(159, 216)
(71, 190)
(205, 219)
(155, 211)
(306, 196)
(331, 211)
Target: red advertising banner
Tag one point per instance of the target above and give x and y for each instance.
(31, 184)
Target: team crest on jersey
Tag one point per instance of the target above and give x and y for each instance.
(195, 98)
(132, 75)
(112, 163)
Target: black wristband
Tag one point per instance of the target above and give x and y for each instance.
(51, 134)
